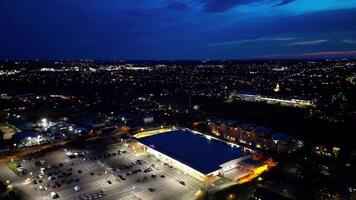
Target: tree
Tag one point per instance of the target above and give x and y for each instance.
(3, 186)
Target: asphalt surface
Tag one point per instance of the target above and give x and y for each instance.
(98, 169)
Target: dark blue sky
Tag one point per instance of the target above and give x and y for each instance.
(172, 29)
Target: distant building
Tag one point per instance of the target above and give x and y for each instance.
(62, 130)
(263, 137)
(327, 151)
(281, 142)
(122, 117)
(80, 130)
(148, 119)
(276, 99)
(247, 135)
(24, 125)
(27, 138)
(257, 136)
(228, 129)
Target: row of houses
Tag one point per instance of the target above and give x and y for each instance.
(257, 136)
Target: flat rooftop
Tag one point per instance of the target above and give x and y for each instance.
(194, 150)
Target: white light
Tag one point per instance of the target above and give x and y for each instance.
(44, 120)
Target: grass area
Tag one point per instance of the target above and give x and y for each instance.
(13, 167)
(8, 130)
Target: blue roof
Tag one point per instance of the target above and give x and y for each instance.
(245, 126)
(23, 125)
(225, 121)
(24, 134)
(280, 136)
(262, 130)
(80, 130)
(194, 150)
(88, 123)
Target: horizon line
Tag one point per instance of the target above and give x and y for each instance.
(179, 60)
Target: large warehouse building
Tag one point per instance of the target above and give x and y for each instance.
(194, 153)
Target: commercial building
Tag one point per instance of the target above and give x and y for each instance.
(199, 155)
(27, 138)
(285, 101)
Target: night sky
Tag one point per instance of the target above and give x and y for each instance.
(172, 29)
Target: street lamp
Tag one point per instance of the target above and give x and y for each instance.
(277, 143)
(44, 120)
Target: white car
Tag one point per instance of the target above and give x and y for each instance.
(54, 195)
(77, 188)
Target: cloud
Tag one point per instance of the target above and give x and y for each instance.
(310, 54)
(349, 41)
(308, 43)
(176, 5)
(248, 41)
(329, 53)
(281, 3)
(225, 5)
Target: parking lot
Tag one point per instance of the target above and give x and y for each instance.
(113, 172)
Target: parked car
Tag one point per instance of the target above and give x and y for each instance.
(54, 195)
(76, 188)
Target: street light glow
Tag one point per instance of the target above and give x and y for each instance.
(44, 120)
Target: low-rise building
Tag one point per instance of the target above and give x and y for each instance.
(260, 137)
(201, 156)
